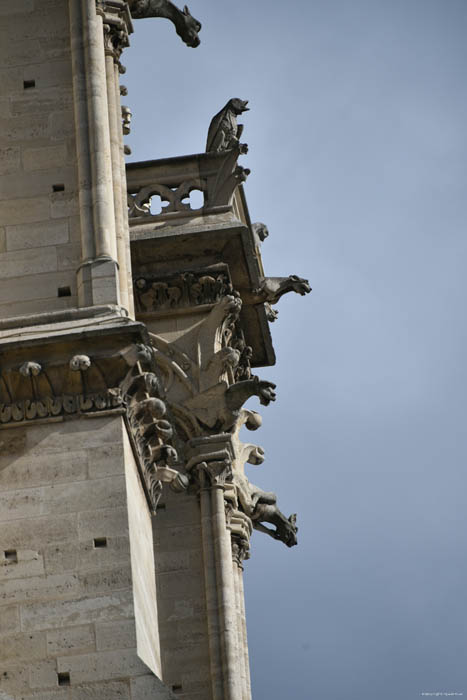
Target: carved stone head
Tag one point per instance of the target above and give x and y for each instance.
(237, 105)
(189, 29)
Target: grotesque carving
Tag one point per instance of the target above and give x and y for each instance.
(30, 369)
(260, 231)
(80, 362)
(186, 26)
(218, 408)
(183, 290)
(224, 133)
(266, 510)
(272, 288)
(126, 119)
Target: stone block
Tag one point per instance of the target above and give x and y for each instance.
(10, 160)
(39, 588)
(113, 690)
(83, 495)
(42, 101)
(25, 128)
(22, 211)
(68, 256)
(14, 678)
(64, 204)
(28, 563)
(172, 561)
(100, 666)
(53, 73)
(150, 688)
(19, 7)
(44, 158)
(105, 460)
(47, 695)
(59, 558)
(36, 469)
(9, 620)
(11, 80)
(43, 675)
(36, 235)
(116, 635)
(115, 553)
(55, 614)
(25, 503)
(102, 523)
(33, 533)
(100, 582)
(71, 640)
(23, 646)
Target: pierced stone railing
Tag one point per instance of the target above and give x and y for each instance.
(215, 175)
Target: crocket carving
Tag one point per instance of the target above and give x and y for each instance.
(186, 26)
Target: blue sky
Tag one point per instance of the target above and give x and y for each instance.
(358, 153)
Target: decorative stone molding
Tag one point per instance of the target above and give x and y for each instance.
(217, 175)
(113, 377)
(117, 26)
(186, 26)
(183, 290)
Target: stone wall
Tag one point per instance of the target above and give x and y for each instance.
(39, 224)
(67, 592)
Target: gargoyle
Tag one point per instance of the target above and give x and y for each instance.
(219, 407)
(261, 507)
(266, 510)
(271, 289)
(224, 132)
(186, 26)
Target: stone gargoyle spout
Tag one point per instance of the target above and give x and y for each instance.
(271, 289)
(237, 394)
(219, 407)
(186, 26)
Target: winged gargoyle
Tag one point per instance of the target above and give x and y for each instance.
(224, 132)
(186, 26)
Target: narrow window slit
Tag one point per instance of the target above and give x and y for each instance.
(64, 292)
(29, 84)
(58, 188)
(100, 542)
(11, 556)
(177, 688)
(63, 678)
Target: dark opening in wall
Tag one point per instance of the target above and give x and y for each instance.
(100, 542)
(29, 84)
(63, 678)
(176, 688)
(11, 556)
(58, 188)
(64, 292)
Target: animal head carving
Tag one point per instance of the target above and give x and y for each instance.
(299, 285)
(237, 105)
(189, 29)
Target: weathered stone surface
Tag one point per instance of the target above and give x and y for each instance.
(37, 235)
(57, 614)
(71, 640)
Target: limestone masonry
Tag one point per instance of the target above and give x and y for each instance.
(127, 346)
